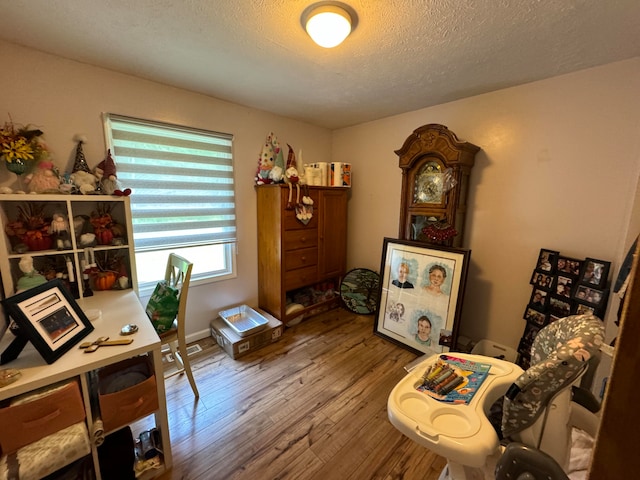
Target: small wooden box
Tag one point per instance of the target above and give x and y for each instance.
(127, 391)
(40, 413)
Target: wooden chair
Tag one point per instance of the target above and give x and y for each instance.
(178, 275)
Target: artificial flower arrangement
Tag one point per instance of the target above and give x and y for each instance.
(31, 230)
(21, 147)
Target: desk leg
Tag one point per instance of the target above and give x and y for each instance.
(162, 421)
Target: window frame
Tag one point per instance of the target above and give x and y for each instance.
(145, 288)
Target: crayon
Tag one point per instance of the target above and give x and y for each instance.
(451, 386)
(423, 378)
(447, 373)
(444, 383)
(434, 373)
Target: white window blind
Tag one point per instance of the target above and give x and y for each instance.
(181, 181)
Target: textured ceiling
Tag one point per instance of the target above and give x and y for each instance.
(402, 56)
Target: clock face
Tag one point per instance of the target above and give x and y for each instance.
(429, 184)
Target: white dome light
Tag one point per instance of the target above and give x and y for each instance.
(328, 25)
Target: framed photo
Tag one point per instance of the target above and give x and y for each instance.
(50, 318)
(569, 266)
(554, 318)
(534, 316)
(539, 299)
(547, 260)
(564, 286)
(583, 309)
(542, 280)
(591, 296)
(594, 272)
(421, 293)
(528, 336)
(560, 306)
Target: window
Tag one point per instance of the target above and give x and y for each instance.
(183, 198)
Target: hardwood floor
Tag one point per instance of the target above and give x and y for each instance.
(310, 406)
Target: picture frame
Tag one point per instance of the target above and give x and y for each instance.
(528, 336)
(535, 317)
(568, 266)
(591, 296)
(50, 318)
(580, 308)
(594, 272)
(564, 286)
(547, 260)
(560, 305)
(539, 299)
(553, 318)
(542, 280)
(431, 285)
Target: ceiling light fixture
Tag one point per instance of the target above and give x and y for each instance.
(329, 23)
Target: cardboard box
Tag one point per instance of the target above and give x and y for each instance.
(237, 346)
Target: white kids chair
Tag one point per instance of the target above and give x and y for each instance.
(538, 408)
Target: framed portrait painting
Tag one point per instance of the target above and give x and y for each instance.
(50, 318)
(421, 293)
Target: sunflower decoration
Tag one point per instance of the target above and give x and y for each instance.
(21, 147)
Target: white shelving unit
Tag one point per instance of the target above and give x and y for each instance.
(117, 306)
(71, 206)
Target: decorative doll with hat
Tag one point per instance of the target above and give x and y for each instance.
(106, 173)
(265, 163)
(84, 181)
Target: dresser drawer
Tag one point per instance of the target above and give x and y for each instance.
(292, 223)
(289, 219)
(296, 239)
(299, 278)
(304, 257)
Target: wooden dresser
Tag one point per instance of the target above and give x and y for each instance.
(300, 263)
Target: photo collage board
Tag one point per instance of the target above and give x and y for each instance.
(562, 286)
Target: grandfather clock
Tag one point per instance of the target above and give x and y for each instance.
(435, 180)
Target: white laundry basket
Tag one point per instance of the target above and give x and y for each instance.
(493, 349)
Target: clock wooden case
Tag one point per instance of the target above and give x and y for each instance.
(435, 180)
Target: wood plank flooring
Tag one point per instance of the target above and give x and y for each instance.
(310, 406)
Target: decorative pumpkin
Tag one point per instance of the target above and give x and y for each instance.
(104, 280)
(104, 236)
(36, 240)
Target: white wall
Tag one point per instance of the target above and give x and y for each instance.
(558, 169)
(64, 97)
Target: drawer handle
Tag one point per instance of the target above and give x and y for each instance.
(136, 404)
(303, 258)
(40, 421)
(303, 239)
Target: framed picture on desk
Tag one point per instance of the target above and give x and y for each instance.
(49, 317)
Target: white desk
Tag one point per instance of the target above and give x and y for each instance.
(118, 308)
